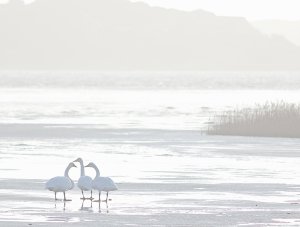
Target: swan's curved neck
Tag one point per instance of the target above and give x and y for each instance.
(82, 168)
(67, 171)
(97, 171)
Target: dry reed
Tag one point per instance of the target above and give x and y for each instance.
(279, 119)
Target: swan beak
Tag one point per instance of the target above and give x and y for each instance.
(77, 160)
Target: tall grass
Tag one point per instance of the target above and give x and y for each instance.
(268, 120)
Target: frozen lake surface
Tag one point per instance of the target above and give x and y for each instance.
(150, 142)
(165, 178)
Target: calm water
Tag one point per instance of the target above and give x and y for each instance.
(137, 100)
(155, 109)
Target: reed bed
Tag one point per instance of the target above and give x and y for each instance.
(279, 119)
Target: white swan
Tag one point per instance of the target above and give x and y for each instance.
(61, 184)
(105, 184)
(84, 182)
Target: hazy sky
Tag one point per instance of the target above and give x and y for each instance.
(251, 9)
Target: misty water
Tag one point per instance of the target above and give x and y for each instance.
(146, 131)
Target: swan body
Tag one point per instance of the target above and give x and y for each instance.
(84, 182)
(99, 183)
(105, 184)
(61, 183)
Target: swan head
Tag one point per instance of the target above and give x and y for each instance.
(78, 160)
(91, 164)
(71, 164)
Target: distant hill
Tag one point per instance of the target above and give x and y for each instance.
(122, 35)
(288, 29)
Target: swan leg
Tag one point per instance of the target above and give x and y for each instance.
(55, 196)
(99, 198)
(82, 195)
(106, 198)
(65, 197)
(91, 198)
(99, 207)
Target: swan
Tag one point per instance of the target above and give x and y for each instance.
(61, 183)
(105, 184)
(84, 182)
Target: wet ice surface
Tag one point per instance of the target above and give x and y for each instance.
(150, 143)
(175, 178)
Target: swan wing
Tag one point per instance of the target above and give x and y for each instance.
(59, 184)
(104, 184)
(85, 183)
